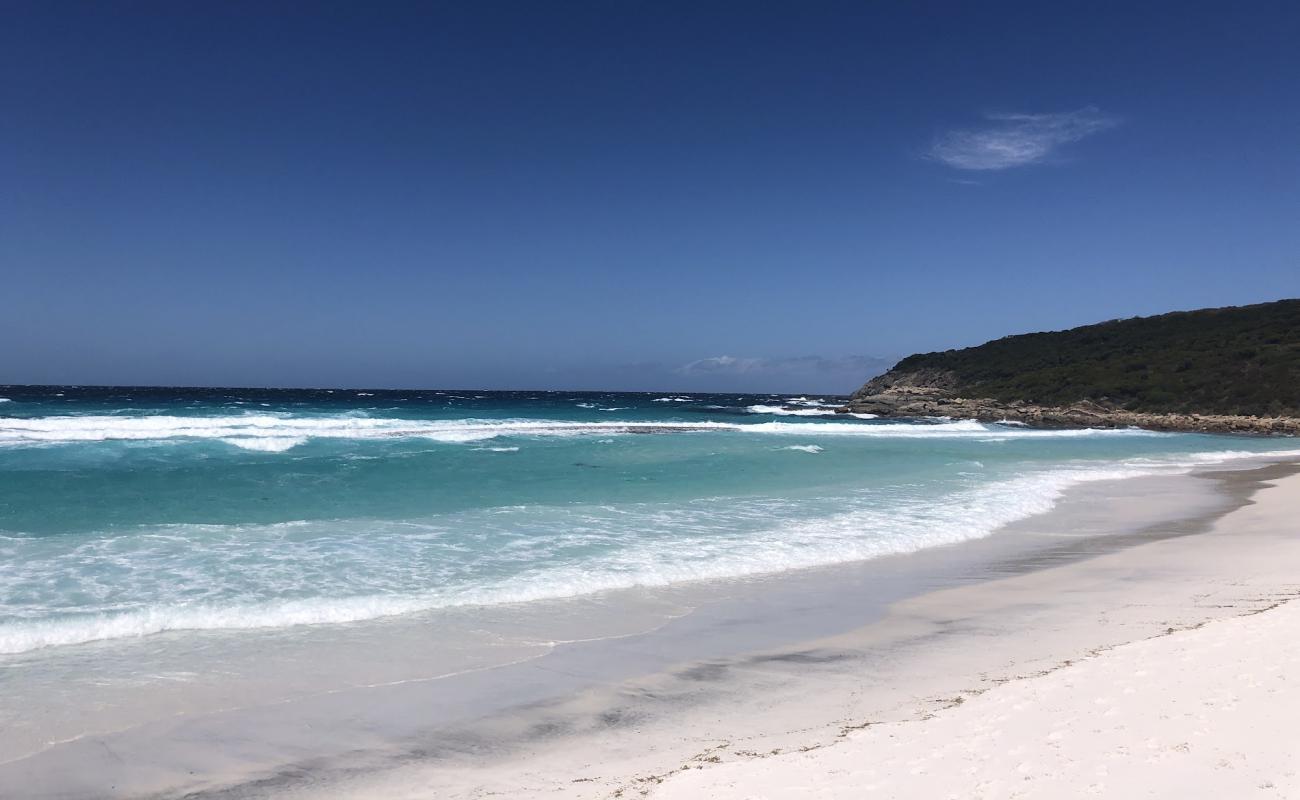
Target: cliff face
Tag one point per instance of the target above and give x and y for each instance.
(1216, 370)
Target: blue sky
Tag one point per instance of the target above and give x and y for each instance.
(624, 195)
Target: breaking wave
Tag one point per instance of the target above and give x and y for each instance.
(782, 411)
(276, 433)
(388, 571)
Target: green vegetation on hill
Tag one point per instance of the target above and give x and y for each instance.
(1240, 360)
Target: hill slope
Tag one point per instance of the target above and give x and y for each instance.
(1241, 361)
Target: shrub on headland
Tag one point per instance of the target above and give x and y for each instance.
(1238, 360)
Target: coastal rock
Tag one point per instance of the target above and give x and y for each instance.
(908, 396)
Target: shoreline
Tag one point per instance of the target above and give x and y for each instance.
(621, 702)
(930, 653)
(904, 402)
(1204, 707)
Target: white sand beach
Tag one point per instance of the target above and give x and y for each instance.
(1203, 712)
(1199, 710)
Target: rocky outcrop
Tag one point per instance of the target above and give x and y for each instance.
(936, 393)
(909, 380)
(1219, 370)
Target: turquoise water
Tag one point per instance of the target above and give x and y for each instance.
(125, 513)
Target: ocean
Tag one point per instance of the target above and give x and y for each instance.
(134, 513)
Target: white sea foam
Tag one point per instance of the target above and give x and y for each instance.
(781, 411)
(806, 448)
(5, 400)
(19, 637)
(278, 432)
(265, 444)
(665, 545)
(957, 429)
(804, 401)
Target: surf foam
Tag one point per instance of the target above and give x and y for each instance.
(781, 411)
(277, 432)
(657, 545)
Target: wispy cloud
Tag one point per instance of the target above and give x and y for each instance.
(1014, 140)
(801, 365)
(724, 373)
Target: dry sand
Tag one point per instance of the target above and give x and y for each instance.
(1206, 711)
